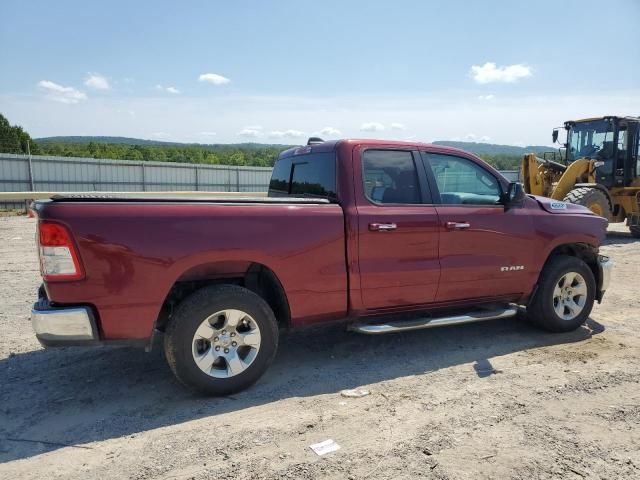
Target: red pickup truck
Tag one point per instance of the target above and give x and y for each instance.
(386, 236)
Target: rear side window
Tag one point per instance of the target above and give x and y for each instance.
(390, 176)
(310, 175)
(280, 178)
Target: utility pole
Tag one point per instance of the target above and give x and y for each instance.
(31, 186)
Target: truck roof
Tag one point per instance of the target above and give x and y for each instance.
(331, 145)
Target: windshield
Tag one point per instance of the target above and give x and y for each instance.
(590, 140)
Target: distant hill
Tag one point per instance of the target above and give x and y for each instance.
(123, 148)
(81, 140)
(494, 149)
(490, 149)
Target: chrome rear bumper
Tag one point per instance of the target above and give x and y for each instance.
(62, 326)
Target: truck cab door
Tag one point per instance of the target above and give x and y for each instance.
(486, 251)
(397, 226)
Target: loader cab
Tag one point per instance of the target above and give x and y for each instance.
(611, 142)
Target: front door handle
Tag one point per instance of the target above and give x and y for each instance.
(382, 227)
(457, 225)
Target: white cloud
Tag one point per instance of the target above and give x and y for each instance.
(60, 93)
(97, 82)
(207, 134)
(169, 89)
(213, 78)
(486, 97)
(330, 132)
(131, 113)
(286, 134)
(160, 135)
(398, 126)
(471, 137)
(250, 132)
(372, 127)
(489, 73)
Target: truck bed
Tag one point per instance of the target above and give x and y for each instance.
(134, 250)
(132, 197)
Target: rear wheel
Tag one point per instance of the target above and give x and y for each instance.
(221, 339)
(565, 295)
(592, 198)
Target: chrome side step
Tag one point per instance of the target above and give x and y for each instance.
(420, 323)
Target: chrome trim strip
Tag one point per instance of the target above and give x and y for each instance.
(418, 324)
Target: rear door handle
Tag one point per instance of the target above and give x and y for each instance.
(457, 225)
(382, 227)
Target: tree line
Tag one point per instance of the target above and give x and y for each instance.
(259, 156)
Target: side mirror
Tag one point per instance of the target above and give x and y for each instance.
(515, 195)
(554, 135)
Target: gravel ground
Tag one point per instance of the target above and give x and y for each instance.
(491, 400)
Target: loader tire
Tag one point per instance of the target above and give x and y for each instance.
(592, 198)
(635, 231)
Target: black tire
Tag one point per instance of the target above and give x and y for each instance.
(592, 198)
(191, 313)
(635, 231)
(541, 310)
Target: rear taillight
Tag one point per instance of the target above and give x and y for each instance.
(58, 256)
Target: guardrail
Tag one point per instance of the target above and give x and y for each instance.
(25, 198)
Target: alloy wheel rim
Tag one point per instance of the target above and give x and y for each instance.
(226, 343)
(570, 296)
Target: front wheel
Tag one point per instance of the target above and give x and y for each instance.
(565, 295)
(221, 339)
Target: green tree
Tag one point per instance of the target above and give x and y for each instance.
(13, 139)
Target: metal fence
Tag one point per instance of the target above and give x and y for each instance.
(71, 174)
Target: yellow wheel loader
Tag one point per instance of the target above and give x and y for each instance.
(600, 169)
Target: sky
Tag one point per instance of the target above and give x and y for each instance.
(219, 71)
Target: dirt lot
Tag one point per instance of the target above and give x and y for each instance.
(493, 400)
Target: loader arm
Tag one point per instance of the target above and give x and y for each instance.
(580, 171)
(531, 175)
(542, 178)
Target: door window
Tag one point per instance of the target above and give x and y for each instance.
(390, 177)
(463, 182)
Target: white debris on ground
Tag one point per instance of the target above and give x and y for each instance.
(355, 393)
(325, 447)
